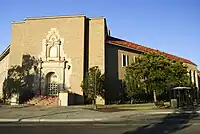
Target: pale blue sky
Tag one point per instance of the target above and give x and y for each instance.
(172, 26)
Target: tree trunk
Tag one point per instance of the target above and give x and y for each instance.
(94, 103)
(131, 100)
(154, 96)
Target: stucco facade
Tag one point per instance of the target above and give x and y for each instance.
(66, 47)
(81, 39)
(4, 69)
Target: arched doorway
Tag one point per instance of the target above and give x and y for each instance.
(52, 84)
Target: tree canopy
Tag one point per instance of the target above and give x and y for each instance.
(153, 73)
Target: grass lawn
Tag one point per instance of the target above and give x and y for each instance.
(125, 107)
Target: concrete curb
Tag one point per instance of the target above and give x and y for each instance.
(52, 120)
(9, 120)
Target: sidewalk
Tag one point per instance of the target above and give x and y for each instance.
(72, 114)
(35, 114)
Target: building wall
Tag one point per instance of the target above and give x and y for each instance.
(112, 81)
(27, 38)
(3, 72)
(97, 43)
(131, 54)
(190, 67)
(114, 70)
(17, 47)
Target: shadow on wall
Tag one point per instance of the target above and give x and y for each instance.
(75, 99)
(115, 72)
(112, 82)
(21, 79)
(29, 81)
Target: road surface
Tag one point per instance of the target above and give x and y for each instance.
(154, 124)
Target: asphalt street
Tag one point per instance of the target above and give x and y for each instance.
(154, 124)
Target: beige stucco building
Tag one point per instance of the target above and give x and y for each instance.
(67, 46)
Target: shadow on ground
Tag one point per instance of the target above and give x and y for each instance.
(168, 125)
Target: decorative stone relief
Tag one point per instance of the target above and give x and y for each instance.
(53, 50)
(52, 46)
(57, 79)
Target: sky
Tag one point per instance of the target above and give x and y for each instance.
(172, 26)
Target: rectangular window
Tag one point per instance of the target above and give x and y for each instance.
(125, 60)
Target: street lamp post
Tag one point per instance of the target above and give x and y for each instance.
(65, 62)
(40, 77)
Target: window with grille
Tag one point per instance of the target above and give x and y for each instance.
(53, 89)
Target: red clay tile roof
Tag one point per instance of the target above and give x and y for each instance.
(116, 41)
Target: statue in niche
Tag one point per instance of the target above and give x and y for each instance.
(53, 51)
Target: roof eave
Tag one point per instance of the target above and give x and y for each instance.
(125, 46)
(191, 63)
(5, 53)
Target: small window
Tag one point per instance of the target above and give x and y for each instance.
(125, 60)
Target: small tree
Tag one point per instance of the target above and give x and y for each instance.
(93, 84)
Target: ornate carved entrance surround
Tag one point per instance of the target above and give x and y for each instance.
(55, 66)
